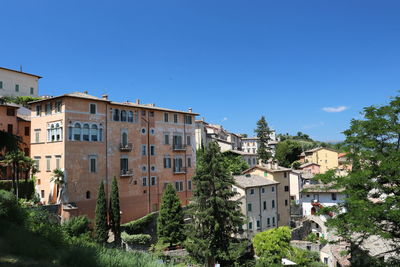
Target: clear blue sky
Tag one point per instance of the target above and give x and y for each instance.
(232, 61)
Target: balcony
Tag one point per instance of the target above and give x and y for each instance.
(126, 147)
(126, 173)
(179, 147)
(179, 170)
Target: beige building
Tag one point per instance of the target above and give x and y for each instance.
(258, 198)
(17, 83)
(94, 139)
(326, 158)
(281, 175)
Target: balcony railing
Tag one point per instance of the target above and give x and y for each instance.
(126, 147)
(179, 147)
(126, 173)
(179, 170)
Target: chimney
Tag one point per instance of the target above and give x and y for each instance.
(138, 101)
(275, 165)
(269, 165)
(85, 92)
(104, 96)
(190, 110)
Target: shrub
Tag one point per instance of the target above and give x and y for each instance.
(76, 226)
(9, 208)
(311, 237)
(139, 239)
(138, 226)
(7, 185)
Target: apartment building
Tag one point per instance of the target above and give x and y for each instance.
(326, 158)
(17, 83)
(279, 174)
(251, 144)
(94, 139)
(258, 202)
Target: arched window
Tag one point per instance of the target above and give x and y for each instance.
(77, 132)
(124, 139)
(101, 134)
(58, 132)
(116, 115)
(94, 132)
(123, 115)
(85, 132)
(130, 116)
(87, 194)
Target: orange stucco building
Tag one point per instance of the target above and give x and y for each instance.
(94, 139)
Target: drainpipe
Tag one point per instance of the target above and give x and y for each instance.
(259, 196)
(148, 160)
(106, 146)
(185, 142)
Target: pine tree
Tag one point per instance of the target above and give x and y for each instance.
(215, 216)
(101, 227)
(170, 224)
(263, 133)
(114, 212)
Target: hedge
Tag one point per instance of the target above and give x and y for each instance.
(7, 185)
(138, 226)
(140, 239)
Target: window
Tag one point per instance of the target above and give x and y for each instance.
(166, 117)
(32, 90)
(273, 204)
(177, 141)
(94, 132)
(77, 132)
(123, 115)
(166, 139)
(42, 193)
(285, 174)
(189, 162)
(175, 118)
(47, 109)
(167, 162)
(265, 205)
(116, 114)
(178, 165)
(27, 130)
(10, 112)
(252, 191)
(124, 165)
(54, 132)
(26, 151)
(153, 168)
(188, 119)
(144, 168)
(151, 113)
(179, 186)
(286, 188)
(273, 189)
(263, 190)
(58, 162)
(334, 196)
(258, 224)
(17, 88)
(254, 161)
(87, 194)
(92, 108)
(325, 260)
(130, 116)
(144, 181)
(268, 222)
(152, 131)
(286, 202)
(37, 136)
(189, 185)
(273, 221)
(249, 161)
(250, 225)
(143, 130)
(153, 180)
(143, 112)
(124, 139)
(38, 110)
(1, 85)
(58, 107)
(188, 141)
(92, 163)
(85, 132)
(144, 150)
(10, 128)
(152, 150)
(48, 160)
(100, 134)
(37, 162)
(249, 207)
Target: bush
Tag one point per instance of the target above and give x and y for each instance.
(76, 226)
(139, 239)
(138, 226)
(9, 208)
(7, 185)
(311, 237)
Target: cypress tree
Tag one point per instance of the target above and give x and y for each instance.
(170, 224)
(114, 212)
(263, 133)
(101, 227)
(216, 218)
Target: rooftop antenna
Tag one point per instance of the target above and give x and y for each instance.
(20, 68)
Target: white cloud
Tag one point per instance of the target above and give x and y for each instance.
(225, 119)
(335, 109)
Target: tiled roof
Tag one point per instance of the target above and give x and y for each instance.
(308, 164)
(266, 168)
(242, 153)
(319, 148)
(320, 188)
(246, 181)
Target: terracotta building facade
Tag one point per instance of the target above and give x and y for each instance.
(94, 139)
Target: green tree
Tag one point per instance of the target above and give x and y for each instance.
(15, 159)
(170, 224)
(9, 142)
(215, 217)
(234, 163)
(114, 212)
(100, 226)
(372, 187)
(273, 245)
(287, 152)
(263, 133)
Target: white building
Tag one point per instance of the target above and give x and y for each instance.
(258, 198)
(17, 83)
(251, 144)
(249, 158)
